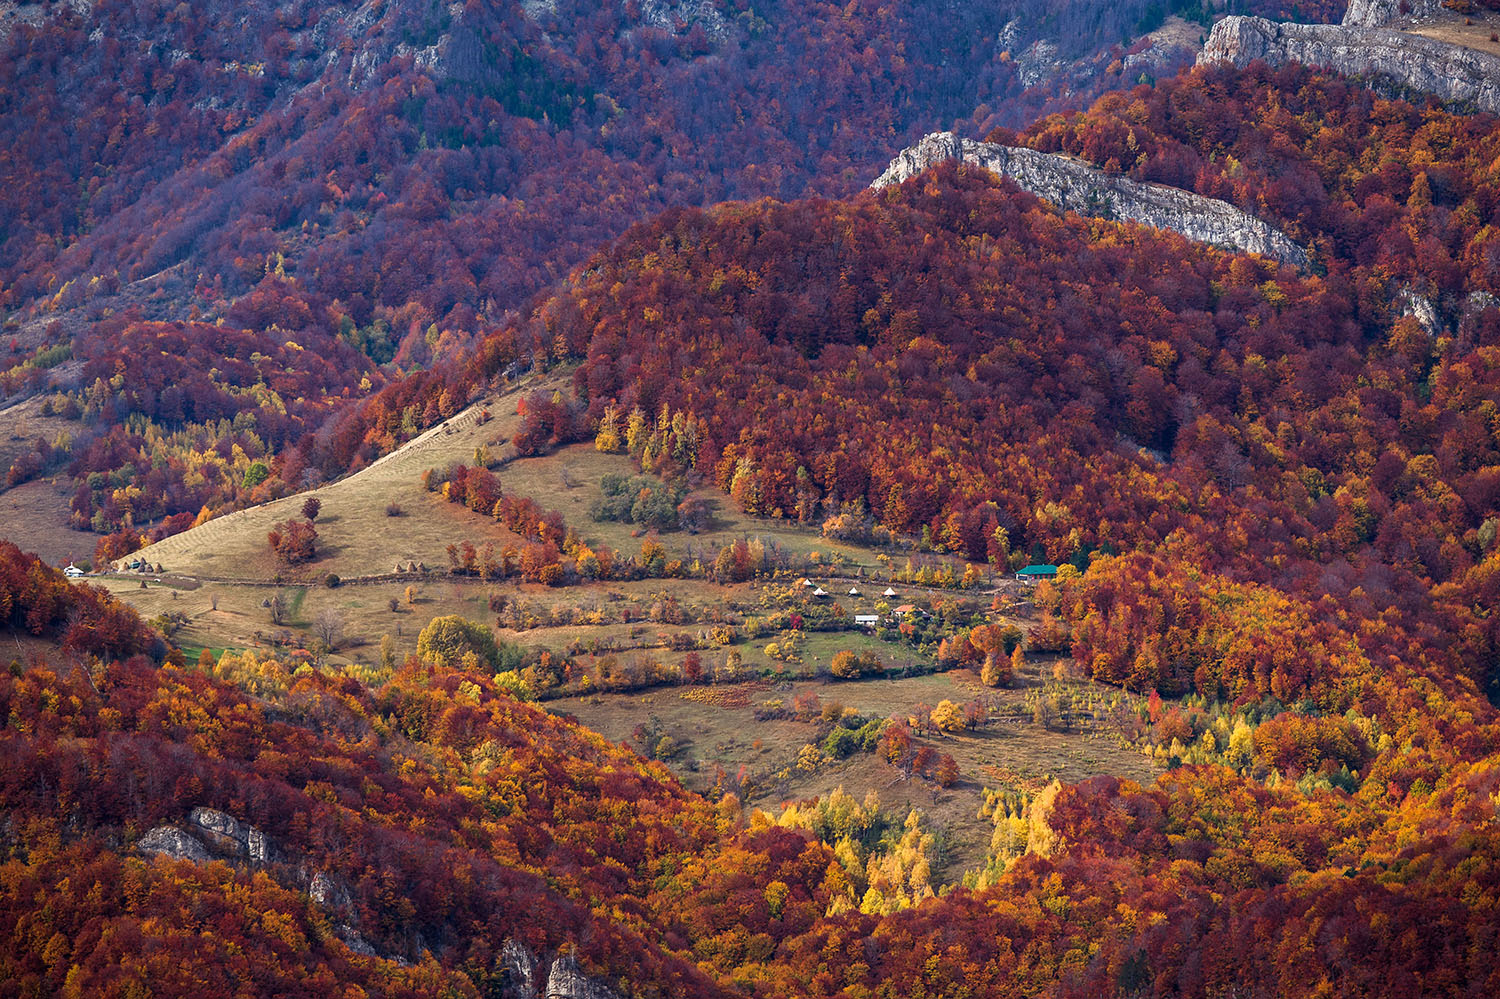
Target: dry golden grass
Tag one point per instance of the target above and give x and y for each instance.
(224, 569)
(355, 537)
(1450, 28)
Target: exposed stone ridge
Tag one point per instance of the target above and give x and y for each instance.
(229, 835)
(1425, 65)
(1379, 13)
(1078, 187)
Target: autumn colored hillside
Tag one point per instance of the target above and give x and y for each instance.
(1266, 500)
(381, 185)
(281, 829)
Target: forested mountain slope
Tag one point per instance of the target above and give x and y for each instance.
(1282, 489)
(379, 185)
(428, 157)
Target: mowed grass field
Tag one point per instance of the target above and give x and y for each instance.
(356, 537)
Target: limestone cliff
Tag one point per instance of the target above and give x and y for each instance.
(1080, 188)
(1379, 13)
(1412, 62)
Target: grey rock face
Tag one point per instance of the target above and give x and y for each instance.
(1409, 303)
(520, 970)
(259, 847)
(670, 15)
(175, 843)
(355, 942)
(1080, 188)
(328, 893)
(228, 835)
(1421, 64)
(567, 981)
(1379, 13)
(225, 832)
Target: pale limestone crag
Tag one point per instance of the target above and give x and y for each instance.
(1077, 187)
(521, 968)
(228, 835)
(173, 842)
(567, 981)
(1411, 62)
(214, 835)
(1379, 13)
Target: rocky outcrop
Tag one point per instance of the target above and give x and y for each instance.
(172, 842)
(673, 16)
(1379, 13)
(1078, 187)
(210, 834)
(567, 981)
(1419, 307)
(228, 835)
(1410, 62)
(520, 970)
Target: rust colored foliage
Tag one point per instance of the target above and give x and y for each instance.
(293, 541)
(83, 619)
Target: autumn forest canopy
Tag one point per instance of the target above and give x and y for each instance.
(1274, 494)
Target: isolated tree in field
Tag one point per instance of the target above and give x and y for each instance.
(328, 628)
(948, 716)
(293, 541)
(447, 639)
(844, 665)
(311, 507)
(895, 747)
(946, 771)
(387, 652)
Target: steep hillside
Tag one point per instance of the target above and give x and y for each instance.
(382, 184)
(266, 830)
(954, 357)
(432, 158)
(432, 838)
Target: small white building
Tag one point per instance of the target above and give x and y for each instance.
(889, 592)
(854, 591)
(72, 571)
(820, 592)
(866, 620)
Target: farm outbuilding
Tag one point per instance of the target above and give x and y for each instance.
(1037, 573)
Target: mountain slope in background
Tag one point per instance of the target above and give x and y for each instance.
(446, 156)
